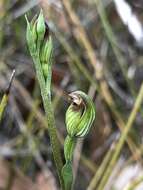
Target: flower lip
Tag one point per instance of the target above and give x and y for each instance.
(76, 99)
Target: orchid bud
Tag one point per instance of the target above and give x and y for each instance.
(39, 46)
(30, 37)
(46, 56)
(35, 32)
(41, 29)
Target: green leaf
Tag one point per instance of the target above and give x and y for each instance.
(67, 175)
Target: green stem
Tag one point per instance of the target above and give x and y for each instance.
(69, 146)
(50, 117)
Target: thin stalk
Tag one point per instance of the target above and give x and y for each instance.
(122, 139)
(50, 117)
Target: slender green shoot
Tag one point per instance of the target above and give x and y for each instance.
(5, 97)
(41, 50)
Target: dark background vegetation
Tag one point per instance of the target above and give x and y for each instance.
(108, 65)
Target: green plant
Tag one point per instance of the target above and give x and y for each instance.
(80, 114)
(79, 118)
(41, 50)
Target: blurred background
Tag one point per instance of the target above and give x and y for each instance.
(98, 48)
